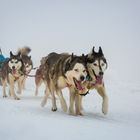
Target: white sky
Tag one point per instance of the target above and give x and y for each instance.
(74, 26)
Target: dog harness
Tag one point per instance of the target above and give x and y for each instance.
(16, 77)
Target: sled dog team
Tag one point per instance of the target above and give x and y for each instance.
(79, 74)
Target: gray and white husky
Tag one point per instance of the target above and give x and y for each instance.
(12, 71)
(60, 71)
(27, 61)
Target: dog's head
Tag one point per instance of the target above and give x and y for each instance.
(75, 71)
(27, 63)
(96, 63)
(15, 63)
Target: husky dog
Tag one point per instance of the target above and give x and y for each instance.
(60, 71)
(26, 61)
(12, 71)
(96, 66)
(39, 76)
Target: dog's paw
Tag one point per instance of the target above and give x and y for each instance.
(54, 109)
(19, 92)
(79, 114)
(4, 96)
(44, 101)
(105, 109)
(65, 108)
(71, 113)
(105, 106)
(17, 98)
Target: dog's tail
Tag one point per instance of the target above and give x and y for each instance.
(25, 50)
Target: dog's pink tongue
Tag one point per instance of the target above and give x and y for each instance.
(14, 71)
(99, 79)
(78, 85)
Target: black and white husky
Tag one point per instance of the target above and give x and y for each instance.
(12, 71)
(60, 71)
(96, 66)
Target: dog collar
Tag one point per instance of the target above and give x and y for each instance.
(85, 93)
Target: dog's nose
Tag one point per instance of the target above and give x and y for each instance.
(101, 73)
(13, 67)
(82, 78)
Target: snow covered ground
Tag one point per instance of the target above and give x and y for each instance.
(74, 26)
(26, 119)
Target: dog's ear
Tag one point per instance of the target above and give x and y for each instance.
(84, 58)
(67, 66)
(71, 58)
(68, 63)
(19, 54)
(30, 57)
(100, 51)
(11, 54)
(93, 51)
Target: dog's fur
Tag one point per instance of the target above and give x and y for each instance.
(27, 61)
(12, 71)
(96, 65)
(60, 71)
(40, 74)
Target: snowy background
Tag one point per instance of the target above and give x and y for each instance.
(74, 26)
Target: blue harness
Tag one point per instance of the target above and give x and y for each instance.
(2, 60)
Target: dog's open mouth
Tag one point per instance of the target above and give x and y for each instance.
(99, 79)
(14, 71)
(78, 84)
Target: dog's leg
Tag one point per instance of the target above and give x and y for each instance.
(72, 99)
(62, 100)
(23, 82)
(102, 93)
(11, 84)
(20, 82)
(9, 93)
(54, 108)
(78, 105)
(12, 91)
(4, 82)
(38, 84)
(44, 101)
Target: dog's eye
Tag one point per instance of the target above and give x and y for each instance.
(84, 71)
(16, 62)
(95, 64)
(102, 64)
(76, 70)
(12, 62)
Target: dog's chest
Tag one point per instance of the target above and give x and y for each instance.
(14, 77)
(61, 82)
